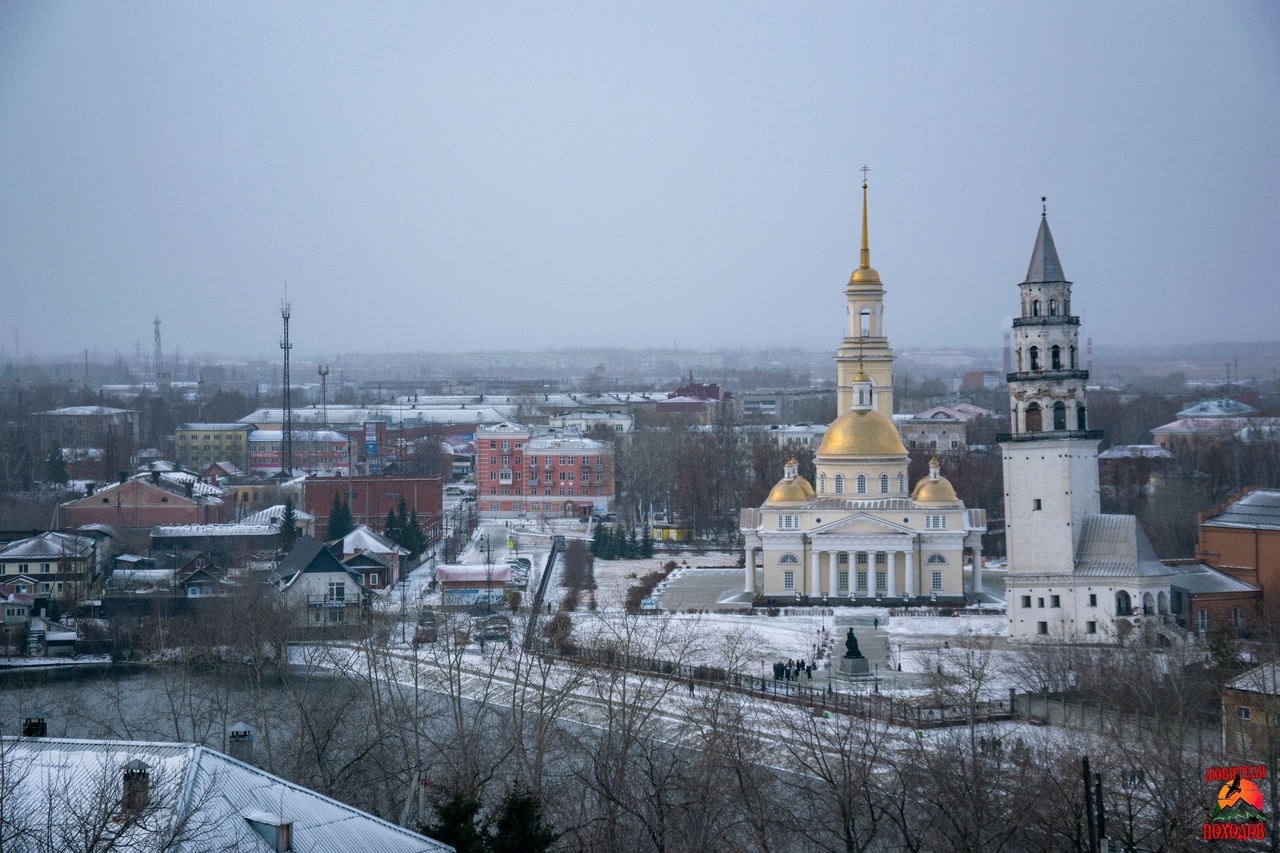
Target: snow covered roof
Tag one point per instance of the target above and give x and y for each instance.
(365, 538)
(1116, 546)
(203, 427)
(215, 794)
(1223, 407)
(273, 515)
(86, 411)
(1207, 426)
(1259, 509)
(1134, 451)
(48, 546)
(562, 443)
(329, 435)
(473, 574)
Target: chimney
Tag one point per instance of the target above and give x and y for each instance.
(123, 475)
(136, 794)
(33, 724)
(155, 478)
(190, 487)
(89, 487)
(240, 742)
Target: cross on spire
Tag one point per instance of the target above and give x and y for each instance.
(864, 171)
(1044, 207)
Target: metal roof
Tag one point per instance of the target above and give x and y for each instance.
(1197, 578)
(48, 546)
(1044, 265)
(215, 795)
(1223, 407)
(1116, 546)
(1259, 509)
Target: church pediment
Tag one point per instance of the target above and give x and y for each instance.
(861, 524)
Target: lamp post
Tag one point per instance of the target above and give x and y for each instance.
(488, 574)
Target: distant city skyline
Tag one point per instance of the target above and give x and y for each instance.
(464, 178)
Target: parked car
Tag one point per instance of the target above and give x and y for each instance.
(497, 628)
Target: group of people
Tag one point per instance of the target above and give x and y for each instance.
(792, 670)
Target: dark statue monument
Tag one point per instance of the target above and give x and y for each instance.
(851, 646)
(853, 662)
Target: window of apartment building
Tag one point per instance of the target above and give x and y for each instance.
(336, 615)
(1042, 627)
(570, 460)
(562, 491)
(493, 490)
(1243, 712)
(493, 504)
(493, 445)
(1237, 618)
(1202, 620)
(1055, 601)
(517, 504)
(571, 491)
(519, 444)
(506, 462)
(1093, 599)
(506, 490)
(506, 445)
(337, 591)
(936, 582)
(493, 460)
(1026, 602)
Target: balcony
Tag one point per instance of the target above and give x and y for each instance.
(1050, 435)
(1061, 320)
(326, 601)
(506, 476)
(1037, 375)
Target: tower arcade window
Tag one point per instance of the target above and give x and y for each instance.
(1055, 357)
(1035, 308)
(1059, 415)
(1053, 308)
(1033, 418)
(1081, 422)
(1035, 358)
(864, 323)
(1073, 358)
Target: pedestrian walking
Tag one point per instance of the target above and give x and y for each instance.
(982, 744)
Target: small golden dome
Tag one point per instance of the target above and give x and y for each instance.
(864, 275)
(937, 491)
(861, 377)
(790, 490)
(862, 433)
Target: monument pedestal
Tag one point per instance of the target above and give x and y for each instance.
(853, 666)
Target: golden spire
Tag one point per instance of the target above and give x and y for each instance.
(864, 274)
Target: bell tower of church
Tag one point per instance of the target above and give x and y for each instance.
(1051, 456)
(865, 348)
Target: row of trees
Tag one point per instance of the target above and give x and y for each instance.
(619, 543)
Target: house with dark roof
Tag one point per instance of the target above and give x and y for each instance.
(1242, 538)
(51, 565)
(316, 585)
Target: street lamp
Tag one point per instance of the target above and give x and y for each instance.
(488, 575)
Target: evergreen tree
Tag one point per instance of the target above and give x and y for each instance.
(619, 543)
(56, 466)
(597, 541)
(288, 526)
(519, 826)
(391, 529)
(456, 823)
(646, 544)
(402, 526)
(633, 545)
(340, 521)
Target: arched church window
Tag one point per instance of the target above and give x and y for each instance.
(1035, 358)
(862, 484)
(1053, 308)
(1059, 415)
(1055, 357)
(936, 560)
(839, 484)
(933, 441)
(822, 483)
(1081, 422)
(884, 484)
(864, 322)
(902, 483)
(1033, 418)
(1035, 308)
(1124, 607)
(788, 560)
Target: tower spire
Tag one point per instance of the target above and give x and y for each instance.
(864, 274)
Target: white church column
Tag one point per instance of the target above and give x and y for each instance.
(977, 568)
(891, 573)
(749, 581)
(831, 573)
(910, 555)
(817, 568)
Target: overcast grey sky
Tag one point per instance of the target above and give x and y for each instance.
(462, 176)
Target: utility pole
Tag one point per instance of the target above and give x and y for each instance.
(323, 370)
(162, 377)
(286, 445)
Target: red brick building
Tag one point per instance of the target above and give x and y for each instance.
(1242, 539)
(519, 472)
(144, 502)
(371, 498)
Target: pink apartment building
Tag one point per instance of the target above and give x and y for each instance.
(520, 471)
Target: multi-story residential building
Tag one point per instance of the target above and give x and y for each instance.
(88, 426)
(521, 471)
(51, 565)
(313, 450)
(197, 446)
(371, 498)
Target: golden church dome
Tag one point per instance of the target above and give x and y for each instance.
(864, 275)
(790, 490)
(862, 433)
(934, 491)
(935, 488)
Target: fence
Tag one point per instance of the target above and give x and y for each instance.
(1060, 709)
